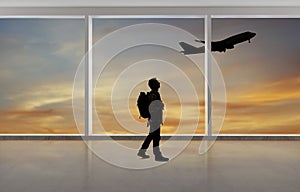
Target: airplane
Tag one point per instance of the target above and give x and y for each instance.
(219, 46)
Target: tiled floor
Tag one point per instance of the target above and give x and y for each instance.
(230, 166)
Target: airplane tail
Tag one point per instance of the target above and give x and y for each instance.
(186, 47)
(190, 49)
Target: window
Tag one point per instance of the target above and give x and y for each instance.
(151, 49)
(262, 78)
(39, 58)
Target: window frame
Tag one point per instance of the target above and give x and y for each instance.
(208, 13)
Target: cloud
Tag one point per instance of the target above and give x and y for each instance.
(27, 113)
(37, 121)
(270, 107)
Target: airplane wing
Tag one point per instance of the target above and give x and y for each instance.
(231, 46)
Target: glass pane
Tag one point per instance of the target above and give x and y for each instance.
(142, 48)
(38, 61)
(262, 77)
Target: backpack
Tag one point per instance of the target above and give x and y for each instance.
(143, 105)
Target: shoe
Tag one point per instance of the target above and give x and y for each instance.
(158, 155)
(142, 154)
(161, 158)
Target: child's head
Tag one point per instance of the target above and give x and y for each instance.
(154, 84)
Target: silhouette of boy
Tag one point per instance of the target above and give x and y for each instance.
(155, 108)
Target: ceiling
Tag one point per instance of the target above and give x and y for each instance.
(146, 3)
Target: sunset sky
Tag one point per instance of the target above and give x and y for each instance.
(39, 58)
